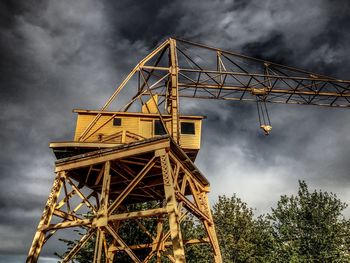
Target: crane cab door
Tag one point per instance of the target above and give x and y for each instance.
(146, 128)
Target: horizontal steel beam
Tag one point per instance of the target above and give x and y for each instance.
(272, 91)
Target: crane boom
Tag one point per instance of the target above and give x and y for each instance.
(193, 70)
(234, 80)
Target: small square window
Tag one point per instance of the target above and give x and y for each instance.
(187, 128)
(117, 122)
(158, 128)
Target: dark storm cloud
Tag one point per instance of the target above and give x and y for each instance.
(49, 54)
(148, 21)
(60, 55)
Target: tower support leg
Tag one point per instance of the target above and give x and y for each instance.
(175, 180)
(210, 228)
(102, 215)
(45, 220)
(98, 246)
(171, 206)
(110, 257)
(200, 196)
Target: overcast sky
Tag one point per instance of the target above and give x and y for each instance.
(60, 55)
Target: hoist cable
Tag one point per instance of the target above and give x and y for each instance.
(267, 113)
(257, 106)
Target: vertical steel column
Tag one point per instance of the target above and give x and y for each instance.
(45, 220)
(173, 100)
(102, 214)
(171, 206)
(159, 237)
(98, 246)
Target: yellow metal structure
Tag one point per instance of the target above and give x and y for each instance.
(126, 127)
(106, 181)
(120, 158)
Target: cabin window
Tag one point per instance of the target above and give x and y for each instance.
(158, 128)
(187, 128)
(117, 122)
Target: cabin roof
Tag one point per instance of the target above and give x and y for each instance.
(136, 114)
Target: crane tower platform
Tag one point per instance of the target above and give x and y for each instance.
(108, 180)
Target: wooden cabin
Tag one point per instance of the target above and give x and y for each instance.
(116, 128)
(126, 127)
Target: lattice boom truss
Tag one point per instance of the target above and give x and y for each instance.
(113, 178)
(211, 73)
(183, 69)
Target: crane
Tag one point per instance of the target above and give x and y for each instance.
(128, 156)
(225, 76)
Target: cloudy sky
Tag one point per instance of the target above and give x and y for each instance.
(60, 55)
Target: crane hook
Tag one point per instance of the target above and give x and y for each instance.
(263, 114)
(266, 128)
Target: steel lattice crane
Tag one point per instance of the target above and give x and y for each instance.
(130, 156)
(227, 76)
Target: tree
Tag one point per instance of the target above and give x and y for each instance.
(199, 253)
(310, 227)
(86, 253)
(242, 238)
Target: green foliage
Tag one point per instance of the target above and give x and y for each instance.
(86, 253)
(199, 253)
(242, 238)
(310, 227)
